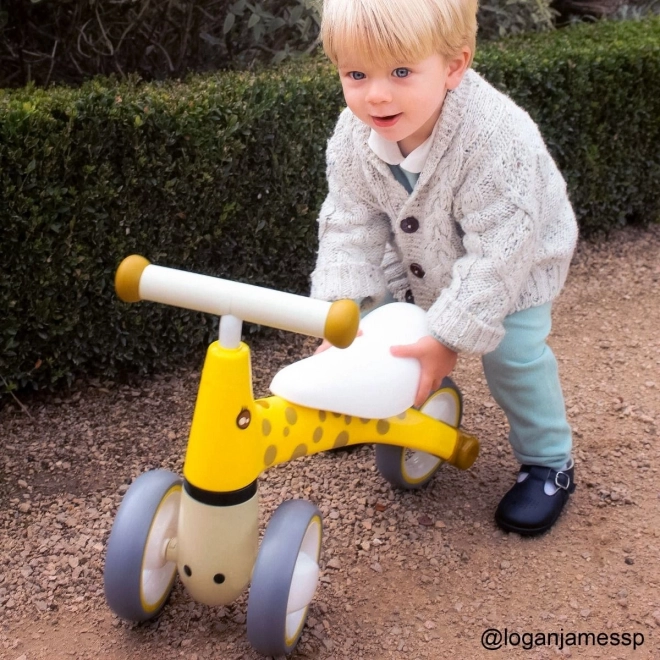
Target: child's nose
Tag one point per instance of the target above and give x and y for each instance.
(378, 92)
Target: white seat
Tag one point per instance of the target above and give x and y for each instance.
(365, 379)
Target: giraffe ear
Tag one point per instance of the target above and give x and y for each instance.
(365, 379)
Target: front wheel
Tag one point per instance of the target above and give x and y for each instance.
(284, 578)
(409, 469)
(138, 577)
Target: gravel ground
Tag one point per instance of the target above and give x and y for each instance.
(405, 574)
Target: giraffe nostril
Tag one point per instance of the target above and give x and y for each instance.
(218, 578)
(187, 571)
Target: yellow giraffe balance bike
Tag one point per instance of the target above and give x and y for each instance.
(205, 526)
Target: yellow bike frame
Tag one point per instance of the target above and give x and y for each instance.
(234, 437)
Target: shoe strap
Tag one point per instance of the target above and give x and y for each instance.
(560, 478)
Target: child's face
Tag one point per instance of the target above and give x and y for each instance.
(402, 101)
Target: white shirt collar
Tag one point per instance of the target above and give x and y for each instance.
(391, 154)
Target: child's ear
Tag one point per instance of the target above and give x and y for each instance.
(457, 66)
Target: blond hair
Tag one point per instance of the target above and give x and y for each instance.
(389, 31)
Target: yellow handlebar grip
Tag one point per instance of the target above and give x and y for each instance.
(342, 323)
(127, 279)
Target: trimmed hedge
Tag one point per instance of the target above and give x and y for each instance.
(593, 90)
(221, 175)
(224, 175)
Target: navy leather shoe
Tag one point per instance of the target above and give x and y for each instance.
(535, 502)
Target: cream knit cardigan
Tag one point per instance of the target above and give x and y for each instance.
(496, 230)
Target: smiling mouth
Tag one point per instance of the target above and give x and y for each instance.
(387, 120)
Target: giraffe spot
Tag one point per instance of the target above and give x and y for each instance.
(263, 403)
(341, 440)
(270, 454)
(348, 419)
(402, 415)
(322, 415)
(364, 420)
(300, 450)
(291, 416)
(334, 414)
(266, 428)
(382, 426)
(286, 431)
(318, 434)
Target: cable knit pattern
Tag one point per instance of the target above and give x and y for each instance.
(496, 229)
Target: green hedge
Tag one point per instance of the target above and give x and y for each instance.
(220, 175)
(224, 175)
(593, 90)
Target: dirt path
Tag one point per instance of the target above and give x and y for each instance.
(405, 575)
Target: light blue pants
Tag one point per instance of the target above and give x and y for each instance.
(523, 378)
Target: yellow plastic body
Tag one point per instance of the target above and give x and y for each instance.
(222, 452)
(234, 438)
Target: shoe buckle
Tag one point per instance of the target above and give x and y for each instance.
(558, 481)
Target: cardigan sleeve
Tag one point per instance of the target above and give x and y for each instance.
(353, 231)
(498, 213)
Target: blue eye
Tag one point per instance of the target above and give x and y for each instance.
(401, 72)
(356, 75)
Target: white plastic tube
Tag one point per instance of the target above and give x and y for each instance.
(202, 293)
(137, 279)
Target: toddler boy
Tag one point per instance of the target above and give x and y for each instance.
(442, 193)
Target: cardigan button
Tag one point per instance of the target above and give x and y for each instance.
(417, 270)
(410, 225)
(409, 297)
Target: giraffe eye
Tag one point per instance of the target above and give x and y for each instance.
(243, 420)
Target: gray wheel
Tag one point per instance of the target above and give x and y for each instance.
(408, 469)
(138, 577)
(284, 578)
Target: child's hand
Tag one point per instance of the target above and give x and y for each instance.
(325, 344)
(436, 359)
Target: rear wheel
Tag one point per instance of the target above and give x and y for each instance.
(409, 469)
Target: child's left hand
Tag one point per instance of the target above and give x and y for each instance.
(436, 359)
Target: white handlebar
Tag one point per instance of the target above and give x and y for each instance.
(137, 279)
